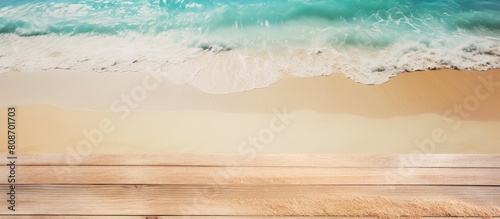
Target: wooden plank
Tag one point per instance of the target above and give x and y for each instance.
(245, 200)
(200, 175)
(362, 160)
(212, 217)
(194, 217)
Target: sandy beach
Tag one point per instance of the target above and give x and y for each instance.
(441, 111)
(250, 109)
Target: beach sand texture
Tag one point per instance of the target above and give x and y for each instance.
(424, 112)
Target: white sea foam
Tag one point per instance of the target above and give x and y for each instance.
(216, 69)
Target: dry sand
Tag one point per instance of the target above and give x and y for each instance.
(357, 206)
(425, 112)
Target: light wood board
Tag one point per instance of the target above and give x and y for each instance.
(265, 186)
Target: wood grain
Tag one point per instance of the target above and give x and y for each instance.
(263, 187)
(216, 200)
(203, 175)
(207, 217)
(362, 160)
(185, 217)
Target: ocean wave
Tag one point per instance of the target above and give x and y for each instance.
(26, 18)
(224, 46)
(215, 69)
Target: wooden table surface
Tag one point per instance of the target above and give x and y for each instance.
(263, 186)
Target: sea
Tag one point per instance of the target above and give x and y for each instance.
(224, 46)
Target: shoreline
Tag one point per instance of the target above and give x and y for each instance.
(62, 110)
(477, 94)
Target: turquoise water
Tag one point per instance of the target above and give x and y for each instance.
(376, 23)
(461, 34)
